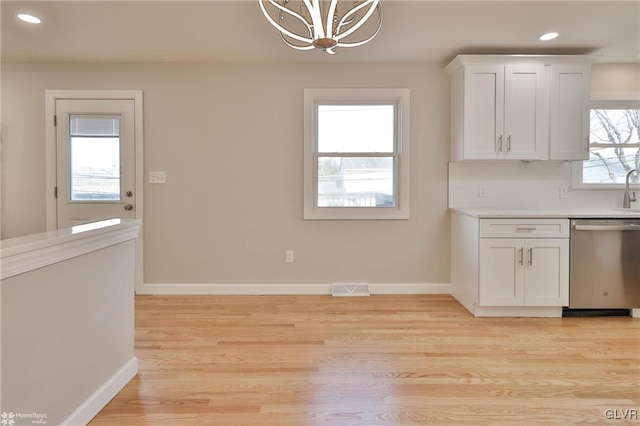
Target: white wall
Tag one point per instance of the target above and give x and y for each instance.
(69, 345)
(537, 184)
(615, 78)
(522, 185)
(230, 137)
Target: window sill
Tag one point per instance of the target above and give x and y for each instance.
(360, 213)
(603, 186)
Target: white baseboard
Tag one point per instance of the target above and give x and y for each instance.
(410, 288)
(96, 402)
(290, 289)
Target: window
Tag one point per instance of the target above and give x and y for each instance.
(614, 144)
(356, 154)
(95, 158)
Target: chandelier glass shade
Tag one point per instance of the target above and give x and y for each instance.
(324, 24)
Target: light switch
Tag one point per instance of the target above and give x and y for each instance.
(157, 177)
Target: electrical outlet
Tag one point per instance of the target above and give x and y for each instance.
(288, 256)
(564, 192)
(482, 191)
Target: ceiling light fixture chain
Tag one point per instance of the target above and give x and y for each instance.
(319, 24)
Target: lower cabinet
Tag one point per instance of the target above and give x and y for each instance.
(510, 267)
(524, 272)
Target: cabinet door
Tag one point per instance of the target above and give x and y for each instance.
(501, 272)
(546, 272)
(526, 112)
(483, 111)
(569, 125)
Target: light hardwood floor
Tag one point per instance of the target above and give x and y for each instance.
(379, 360)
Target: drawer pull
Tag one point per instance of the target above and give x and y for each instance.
(526, 229)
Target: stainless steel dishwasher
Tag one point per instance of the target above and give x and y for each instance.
(604, 271)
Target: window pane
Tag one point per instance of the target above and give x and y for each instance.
(95, 158)
(619, 129)
(610, 165)
(615, 126)
(356, 182)
(355, 128)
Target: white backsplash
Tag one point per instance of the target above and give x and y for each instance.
(522, 185)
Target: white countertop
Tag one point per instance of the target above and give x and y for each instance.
(24, 254)
(27, 243)
(548, 213)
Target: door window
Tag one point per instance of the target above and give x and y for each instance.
(95, 158)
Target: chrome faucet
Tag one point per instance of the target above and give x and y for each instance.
(626, 202)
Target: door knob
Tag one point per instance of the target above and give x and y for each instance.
(128, 207)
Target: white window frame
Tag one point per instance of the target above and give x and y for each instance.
(398, 97)
(603, 100)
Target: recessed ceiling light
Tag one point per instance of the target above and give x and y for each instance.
(29, 18)
(548, 36)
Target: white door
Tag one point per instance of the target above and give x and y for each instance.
(501, 272)
(525, 113)
(569, 125)
(547, 272)
(95, 160)
(483, 112)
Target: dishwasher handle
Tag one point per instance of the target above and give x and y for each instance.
(627, 227)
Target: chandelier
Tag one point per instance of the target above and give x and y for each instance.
(309, 24)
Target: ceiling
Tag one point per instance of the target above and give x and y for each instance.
(236, 31)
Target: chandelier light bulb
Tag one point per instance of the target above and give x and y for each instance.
(311, 24)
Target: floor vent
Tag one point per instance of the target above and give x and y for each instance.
(350, 289)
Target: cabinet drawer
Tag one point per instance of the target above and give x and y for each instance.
(524, 228)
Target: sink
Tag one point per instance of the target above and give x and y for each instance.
(627, 210)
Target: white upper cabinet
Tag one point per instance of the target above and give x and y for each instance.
(526, 112)
(569, 119)
(518, 108)
(481, 102)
